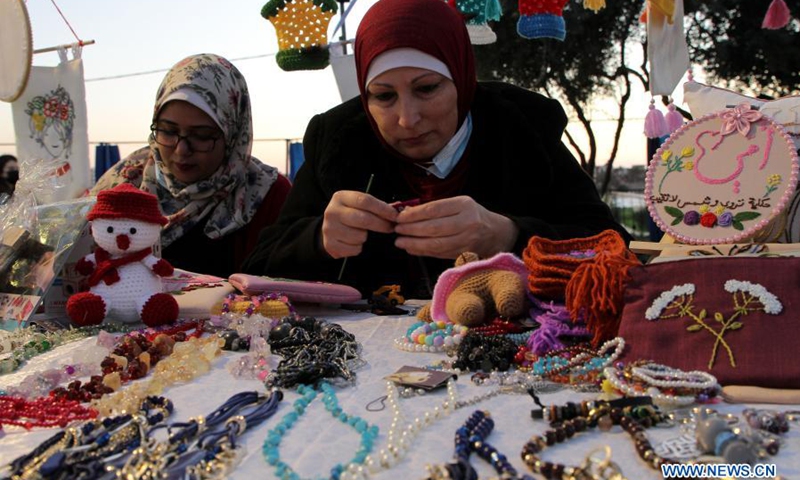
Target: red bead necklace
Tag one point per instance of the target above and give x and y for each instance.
(42, 412)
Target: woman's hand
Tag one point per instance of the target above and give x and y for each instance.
(446, 228)
(347, 219)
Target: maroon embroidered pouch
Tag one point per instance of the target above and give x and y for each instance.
(736, 318)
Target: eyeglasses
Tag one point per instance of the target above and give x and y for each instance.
(197, 142)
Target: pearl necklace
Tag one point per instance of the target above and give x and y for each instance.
(401, 435)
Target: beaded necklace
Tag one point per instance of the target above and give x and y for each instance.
(80, 447)
(307, 395)
(41, 412)
(401, 437)
(471, 437)
(26, 343)
(633, 420)
(41, 383)
(134, 355)
(188, 360)
(312, 350)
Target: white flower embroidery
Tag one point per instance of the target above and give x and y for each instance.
(660, 303)
(771, 303)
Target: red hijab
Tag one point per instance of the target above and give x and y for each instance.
(430, 26)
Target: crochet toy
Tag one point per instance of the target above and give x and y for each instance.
(302, 30)
(541, 19)
(124, 275)
(477, 14)
(475, 291)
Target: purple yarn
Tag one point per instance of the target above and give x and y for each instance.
(691, 217)
(725, 220)
(556, 324)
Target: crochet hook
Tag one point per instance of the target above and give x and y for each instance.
(344, 262)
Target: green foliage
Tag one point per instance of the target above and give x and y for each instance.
(726, 39)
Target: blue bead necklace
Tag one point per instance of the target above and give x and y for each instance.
(307, 395)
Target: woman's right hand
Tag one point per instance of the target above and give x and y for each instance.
(347, 219)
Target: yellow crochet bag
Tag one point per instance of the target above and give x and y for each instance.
(302, 29)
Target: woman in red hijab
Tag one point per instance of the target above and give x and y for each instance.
(484, 161)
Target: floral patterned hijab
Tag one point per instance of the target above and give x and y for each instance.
(230, 197)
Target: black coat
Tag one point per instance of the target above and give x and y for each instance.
(518, 167)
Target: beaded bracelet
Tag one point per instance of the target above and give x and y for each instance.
(432, 337)
(771, 421)
(487, 353)
(678, 389)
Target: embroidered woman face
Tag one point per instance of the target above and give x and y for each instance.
(194, 158)
(52, 117)
(415, 110)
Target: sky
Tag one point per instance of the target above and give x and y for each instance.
(152, 35)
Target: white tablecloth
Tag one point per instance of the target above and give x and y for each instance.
(317, 442)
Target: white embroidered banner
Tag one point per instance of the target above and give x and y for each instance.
(51, 128)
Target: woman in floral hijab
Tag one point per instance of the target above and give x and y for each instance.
(198, 164)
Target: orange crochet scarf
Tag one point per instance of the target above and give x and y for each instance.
(589, 273)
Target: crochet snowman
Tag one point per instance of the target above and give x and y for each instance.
(124, 275)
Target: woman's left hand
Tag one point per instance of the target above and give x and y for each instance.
(446, 228)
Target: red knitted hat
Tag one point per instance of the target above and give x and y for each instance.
(127, 201)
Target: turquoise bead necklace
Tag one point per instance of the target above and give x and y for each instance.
(307, 395)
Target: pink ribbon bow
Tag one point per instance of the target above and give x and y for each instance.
(739, 118)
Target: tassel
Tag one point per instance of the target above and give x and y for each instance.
(654, 124)
(594, 5)
(595, 293)
(673, 118)
(777, 17)
(493, 10)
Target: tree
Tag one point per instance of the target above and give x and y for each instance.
(591, 63)
(726, 38)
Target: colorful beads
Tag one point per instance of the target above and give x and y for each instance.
(431, 337)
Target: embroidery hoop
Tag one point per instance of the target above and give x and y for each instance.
(716, 185)
(16, 55)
